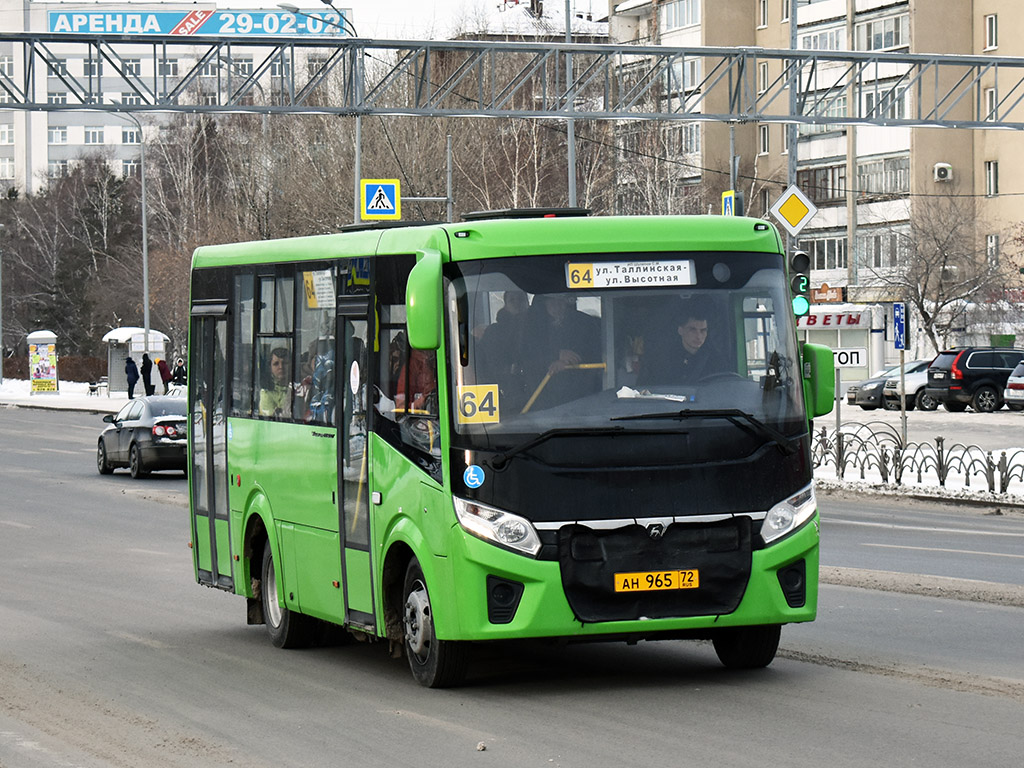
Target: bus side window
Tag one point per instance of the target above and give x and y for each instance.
(405, 398)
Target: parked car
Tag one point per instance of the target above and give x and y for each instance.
(916, 384)
(148, 433)
(868, 393)
(974, 376)
(1013, 393)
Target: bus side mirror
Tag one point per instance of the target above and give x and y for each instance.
(423, 302)
(819, 379)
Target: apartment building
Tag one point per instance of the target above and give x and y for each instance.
(865, 180)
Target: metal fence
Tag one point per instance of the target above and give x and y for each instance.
(875, 451)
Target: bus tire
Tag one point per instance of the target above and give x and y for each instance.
(434, 663)
(747, 647)
(285, 628)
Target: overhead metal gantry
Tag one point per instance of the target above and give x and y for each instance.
(500, 79)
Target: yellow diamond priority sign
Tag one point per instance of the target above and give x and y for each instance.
(793, 210)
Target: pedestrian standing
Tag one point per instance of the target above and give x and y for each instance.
(179, 375)
(147, 374)
(131, 371)
(165, 373)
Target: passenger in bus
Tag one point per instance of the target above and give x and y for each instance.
(420, 378)
(275, 400)
(500, 350)
(559, 341)
(686, 359)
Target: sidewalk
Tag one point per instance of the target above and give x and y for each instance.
(73, 396)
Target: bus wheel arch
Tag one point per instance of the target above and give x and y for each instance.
(254, 541)
(396, 562)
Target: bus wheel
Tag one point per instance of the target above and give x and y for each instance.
(748, 647)
(434, 663)
(286, 628)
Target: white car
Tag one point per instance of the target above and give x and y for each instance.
(1013, 394)
(916, 395)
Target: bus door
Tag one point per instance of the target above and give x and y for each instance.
(351, 354)
(211, 548)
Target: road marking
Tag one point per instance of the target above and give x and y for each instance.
(14, 524)
(926, 528)
(940, 549)
(148, 642)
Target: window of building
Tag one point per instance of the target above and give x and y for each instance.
(990, 104)
(823, 185)
(766, 201)
(6, 133)
(279, 67)
(56, 169)
(684, 74)
(763, 144)
(58, 97)
(93, 67)
(825, 40)
(131, 168)
(57, 67)
(7, 65)
(884, 176)
(683, 139)
(210, 69)
(679, 13)
(991, 32)
(208, 99)
(825, 252)
(883, 104)
(762, 77)
(7, 168)
(762, 13)
(167, 68)
(879, 250)
(131, 99)
(94, 134)
(133, 67)
(784, 10)
(57, 134)
(992, 249)
(131, 135)
(991, 178)
(883, 34)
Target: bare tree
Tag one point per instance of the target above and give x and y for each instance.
(939, 266)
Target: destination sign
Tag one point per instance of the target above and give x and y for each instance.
(628, 274)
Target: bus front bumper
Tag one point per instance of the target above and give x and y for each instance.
(503, 595)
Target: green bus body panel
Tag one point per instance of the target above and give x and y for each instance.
(292, 470)
(357, 571)
(288, 477)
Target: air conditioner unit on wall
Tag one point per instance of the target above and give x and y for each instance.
(943, 172)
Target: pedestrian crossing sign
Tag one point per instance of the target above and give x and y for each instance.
(382, 199)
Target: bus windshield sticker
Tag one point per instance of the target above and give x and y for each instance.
(354, 377)
(478, 404)
(629, 274)
(473, 477)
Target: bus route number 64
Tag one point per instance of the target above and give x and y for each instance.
(478, 404)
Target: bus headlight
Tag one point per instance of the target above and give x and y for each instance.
(497, 526)
(789, 515)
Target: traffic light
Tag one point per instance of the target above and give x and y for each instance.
(800, 282)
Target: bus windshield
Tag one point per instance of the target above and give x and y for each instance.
(624, 341)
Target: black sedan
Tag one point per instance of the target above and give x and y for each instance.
(146, 434)
(868, 393)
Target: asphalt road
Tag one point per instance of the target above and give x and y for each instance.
(111, 655)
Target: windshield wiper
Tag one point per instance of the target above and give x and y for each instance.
(733, 415)
(500, 460)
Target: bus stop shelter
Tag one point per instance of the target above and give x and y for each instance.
(131, 341)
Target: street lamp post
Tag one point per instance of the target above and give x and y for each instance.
(145, 233)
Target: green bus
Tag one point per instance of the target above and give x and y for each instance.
(524, 425)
